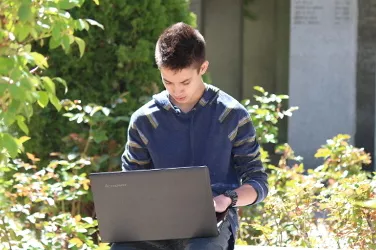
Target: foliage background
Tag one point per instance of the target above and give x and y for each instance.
(117, 71)
(45, 203)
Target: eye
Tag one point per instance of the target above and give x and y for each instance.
(167, 83)
(186, 83)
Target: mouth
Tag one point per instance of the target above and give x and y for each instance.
(179, 98)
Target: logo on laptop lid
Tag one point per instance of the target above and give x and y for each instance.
(114, 185)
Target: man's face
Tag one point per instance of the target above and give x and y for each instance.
(184, 86)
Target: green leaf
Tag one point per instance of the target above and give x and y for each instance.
(55, 101)
(65, 42)
(27, 84)
(49, 85)
(28, 111)
(96, 2)
(56, 31)
(24, 12)
(6, 64)
(34, 33)
(95, 23)
(10, 144)
(81, 45)
(99, 136)
(9, 117)
(3, 87)
(18, 93)
(53, 43)
(62, 81)
(39, 60)
(21, 31)
(21, 124)
(27, 48)
(82, 24)
(43, 98)
(68, 4)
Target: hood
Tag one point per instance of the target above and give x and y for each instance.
(163, 101)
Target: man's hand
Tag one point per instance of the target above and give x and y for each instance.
(221, 203)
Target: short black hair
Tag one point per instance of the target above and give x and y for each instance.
(180, 46)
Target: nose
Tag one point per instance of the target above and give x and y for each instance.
(178, 90)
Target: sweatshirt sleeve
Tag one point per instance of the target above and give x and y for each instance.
(136, 155)
(247, 158)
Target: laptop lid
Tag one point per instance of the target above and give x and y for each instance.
(155, 204)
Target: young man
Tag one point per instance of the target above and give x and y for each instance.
(190, 124)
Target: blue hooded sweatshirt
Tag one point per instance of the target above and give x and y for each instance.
(217, 133)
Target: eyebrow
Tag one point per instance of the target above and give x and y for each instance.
(186, 80)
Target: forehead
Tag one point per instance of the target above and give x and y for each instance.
(178, 75)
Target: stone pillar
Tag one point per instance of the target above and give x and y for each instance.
(322, 74)
(223, 31)
(366, 78)
(266, 51)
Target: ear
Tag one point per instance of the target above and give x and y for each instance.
(204, 67)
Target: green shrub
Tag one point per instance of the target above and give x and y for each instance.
(350, 222)
(23, 23)
(266, 113)
(22, 88)
(117, 71)
(332, 206)
(341, 159)
(45, 203)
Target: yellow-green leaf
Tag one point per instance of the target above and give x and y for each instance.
(96, 2)
(23, 139)
(27, 48)
(75, 242)
(49, 85)
(81, 45)
(21, 124)
(55, 101)
(103, 246)
(43, 98)
(10, 144)
(367, 204)
(260, 89)
(78, 218)
(39, 60)
(322, 153)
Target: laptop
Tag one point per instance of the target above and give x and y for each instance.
(156, 204)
